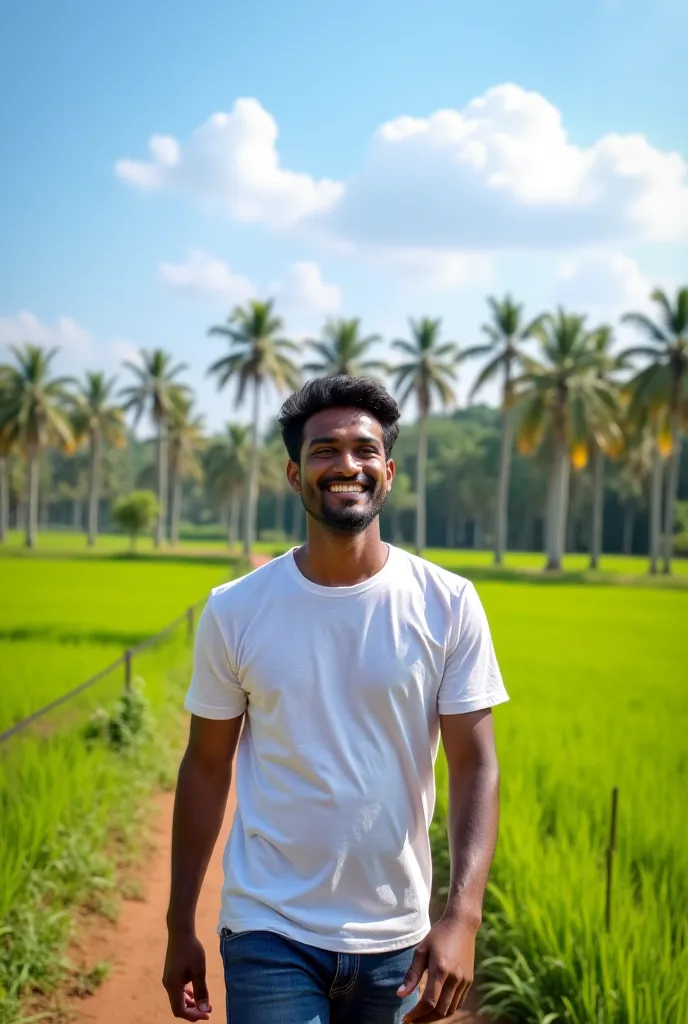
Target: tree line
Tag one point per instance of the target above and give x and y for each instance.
(569, 401)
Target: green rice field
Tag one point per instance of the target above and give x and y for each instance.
(62, 620)
(599, 698)
(73, 807)
(66, 542)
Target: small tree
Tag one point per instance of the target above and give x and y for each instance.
(136, 513)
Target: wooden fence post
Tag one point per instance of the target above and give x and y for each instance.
(127, 670)
(611, 849)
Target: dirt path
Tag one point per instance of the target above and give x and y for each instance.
(135, 947)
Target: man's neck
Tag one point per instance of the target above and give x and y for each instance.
(333, 559)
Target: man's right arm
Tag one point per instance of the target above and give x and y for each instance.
(205, 775)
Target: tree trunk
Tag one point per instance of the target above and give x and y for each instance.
(597, 506)
(299, 515)
(4, 500)
(421, 474)
(655, 508)
(628, 524)
(280, 504)
(176, 504)
(570, 531)
(397, 537)
(161, 453)
(234, 513)
(252, 489)
(93, 488)
(557, 505)
(449, 526)
(502, 518)
(32, 516)
(671, 489)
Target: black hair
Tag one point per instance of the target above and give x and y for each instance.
(339, 391)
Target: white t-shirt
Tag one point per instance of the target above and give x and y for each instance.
(343, 688)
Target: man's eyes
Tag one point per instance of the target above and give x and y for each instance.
(366, 450)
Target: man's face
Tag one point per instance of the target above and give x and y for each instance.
(344, 476)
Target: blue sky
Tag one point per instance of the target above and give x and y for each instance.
(556, 170)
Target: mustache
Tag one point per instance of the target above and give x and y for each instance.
(364, 481)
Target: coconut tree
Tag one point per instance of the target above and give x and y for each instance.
(563, 397)
(33, 415)
(186, 441)
(634, 470)
(258, 353)
(273, 478)
(607, 441)
(429, 370)
(506, 333)
(5, 452)
(97, 419)
(401, 499)
(226, 464)
(154, 392)
(344, 350)
(4, 490)
(662, 388)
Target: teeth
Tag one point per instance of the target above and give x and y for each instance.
(346, 488)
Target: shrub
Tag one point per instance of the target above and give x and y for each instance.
(136, 513)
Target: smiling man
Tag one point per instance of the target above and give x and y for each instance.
(346, 661)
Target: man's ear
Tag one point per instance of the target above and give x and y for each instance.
(391, 470)
(294, 476)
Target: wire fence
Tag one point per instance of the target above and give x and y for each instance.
(125, 662)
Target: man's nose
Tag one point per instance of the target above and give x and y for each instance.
(348, 463)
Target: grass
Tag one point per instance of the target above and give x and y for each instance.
(597, 681)
(621, 565)
(598, 699)
(67, 542)
(75, 787)
(62, 620)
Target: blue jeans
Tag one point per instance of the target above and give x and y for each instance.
(273, 980)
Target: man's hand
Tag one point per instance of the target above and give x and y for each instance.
(448, 955)
(184, 963)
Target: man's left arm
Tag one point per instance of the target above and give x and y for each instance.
(448, 951)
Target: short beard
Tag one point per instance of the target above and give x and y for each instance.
(351, 520)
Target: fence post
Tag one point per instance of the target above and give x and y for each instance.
(610, 858)
(127, 670)
(190, 621)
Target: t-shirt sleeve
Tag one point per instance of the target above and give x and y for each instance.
(214, 691)
(472, 680)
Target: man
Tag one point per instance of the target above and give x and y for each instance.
(344, 661)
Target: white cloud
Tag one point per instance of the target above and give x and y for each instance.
(436, 269)
(231, 163)
(206, 275)
(121, 350)
(303, 288)
(77, 348)
(603, 282)
(500, 173)
(65, 333)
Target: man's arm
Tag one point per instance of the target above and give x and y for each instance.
(448, 952)
(205, 775)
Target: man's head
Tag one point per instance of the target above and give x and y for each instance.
(339, 433)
